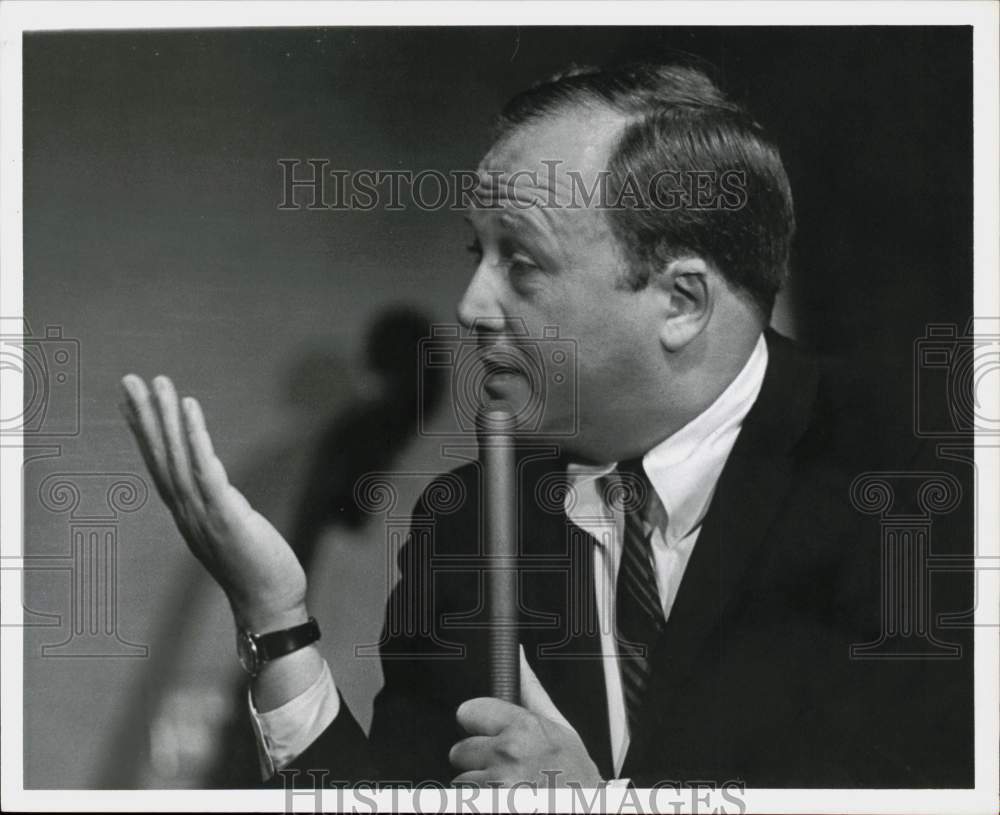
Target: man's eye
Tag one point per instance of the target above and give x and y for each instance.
(522, 263)
(475, 249)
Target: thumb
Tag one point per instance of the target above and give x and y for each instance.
(536, 699)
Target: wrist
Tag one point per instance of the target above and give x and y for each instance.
(265, 620)
(255, 651)
(286, 678)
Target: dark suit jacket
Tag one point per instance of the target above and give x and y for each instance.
(753, 678)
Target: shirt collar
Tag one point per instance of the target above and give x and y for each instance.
(684, 467)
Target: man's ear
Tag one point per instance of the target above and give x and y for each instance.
(687, 296)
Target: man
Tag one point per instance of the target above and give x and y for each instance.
(698, 628)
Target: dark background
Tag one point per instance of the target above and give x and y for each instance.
(152, 236)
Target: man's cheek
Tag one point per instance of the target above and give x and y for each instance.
(549, 410)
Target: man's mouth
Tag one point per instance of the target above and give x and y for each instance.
(502, 374)
(501, 368)
(502, 362)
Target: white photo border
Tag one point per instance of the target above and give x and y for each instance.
(16, 17)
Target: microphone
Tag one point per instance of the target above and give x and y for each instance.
(496, 448)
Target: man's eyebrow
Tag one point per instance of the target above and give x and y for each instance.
(516, 222)
(512, 220)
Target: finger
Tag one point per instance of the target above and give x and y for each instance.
(209, 474)
(144, 422)
(473, 753)
(487, 716)
(208, 470)
(536, 699)
(165, 399)
(474, 778)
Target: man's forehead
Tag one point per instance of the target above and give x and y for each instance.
(548, 155)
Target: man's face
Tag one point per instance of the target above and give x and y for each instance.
(551, 262)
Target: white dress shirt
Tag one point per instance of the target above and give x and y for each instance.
(683, 470)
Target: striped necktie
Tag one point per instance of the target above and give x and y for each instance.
(638, 610)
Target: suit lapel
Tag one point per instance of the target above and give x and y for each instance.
(559, 625)
(748, 495)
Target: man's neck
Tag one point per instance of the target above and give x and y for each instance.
(686, 398)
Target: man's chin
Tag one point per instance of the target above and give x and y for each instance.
(534, 420)
(511, 388)
(514, 389)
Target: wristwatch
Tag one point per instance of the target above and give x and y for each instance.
(255, 650)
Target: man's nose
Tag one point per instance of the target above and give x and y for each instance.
(481, 305)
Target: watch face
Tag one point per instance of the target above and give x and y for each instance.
(246, 650)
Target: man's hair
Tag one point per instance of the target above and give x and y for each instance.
(679, 122)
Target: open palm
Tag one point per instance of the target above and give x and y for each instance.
(244, 553)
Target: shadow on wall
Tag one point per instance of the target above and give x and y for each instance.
(187, 723)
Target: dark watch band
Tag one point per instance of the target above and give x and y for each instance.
(280, 643)
(255, 650)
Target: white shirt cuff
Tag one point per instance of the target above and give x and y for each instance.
(284, 733)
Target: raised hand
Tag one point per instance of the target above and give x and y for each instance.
(246, 555)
